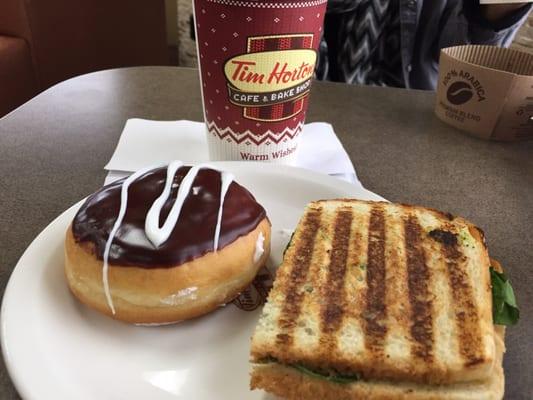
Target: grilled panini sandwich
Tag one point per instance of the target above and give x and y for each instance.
(377, 300)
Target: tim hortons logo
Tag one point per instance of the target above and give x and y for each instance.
(272, 79)
(256, 294)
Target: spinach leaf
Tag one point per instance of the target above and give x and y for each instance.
(504, 308)
(331, 378)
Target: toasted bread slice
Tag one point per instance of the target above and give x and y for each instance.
(292, 384)
(382, 291)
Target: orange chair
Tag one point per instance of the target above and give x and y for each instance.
(43, 42)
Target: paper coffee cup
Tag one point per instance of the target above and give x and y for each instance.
(486, 91)
(257, 59)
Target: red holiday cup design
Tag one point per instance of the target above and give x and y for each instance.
(257, 60)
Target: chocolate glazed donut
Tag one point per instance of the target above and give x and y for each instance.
(182, 276)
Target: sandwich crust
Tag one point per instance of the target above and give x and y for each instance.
(383, 291)
(291, 384)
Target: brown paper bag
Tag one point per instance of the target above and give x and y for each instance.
(486, 91)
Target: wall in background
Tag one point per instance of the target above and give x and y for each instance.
(187, 46)
(171, 8)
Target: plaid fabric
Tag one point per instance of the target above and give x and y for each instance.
(361, 43)
(275, 112)
(280, 111)
(280, 43)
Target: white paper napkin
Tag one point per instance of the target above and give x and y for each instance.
(146, 142)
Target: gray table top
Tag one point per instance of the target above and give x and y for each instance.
(53, 149)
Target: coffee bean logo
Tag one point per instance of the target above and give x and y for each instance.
(459, 93)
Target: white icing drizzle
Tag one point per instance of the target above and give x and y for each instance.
(259, 248)
(227, 178)
(156, 234)
(118, 221)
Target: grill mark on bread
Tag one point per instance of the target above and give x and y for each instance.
(301, 260)
(445, 237)
(375, 312)
(418, 278)
(466, 315)
(333, 311)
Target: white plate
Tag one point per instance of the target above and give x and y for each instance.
(54, 347)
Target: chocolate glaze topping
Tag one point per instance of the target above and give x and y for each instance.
(194, 232)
